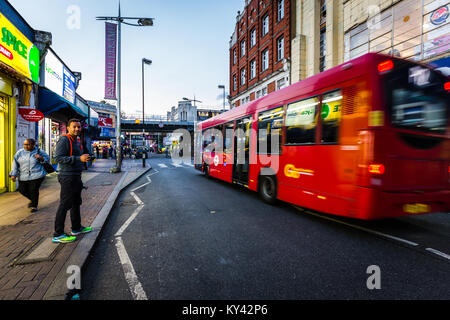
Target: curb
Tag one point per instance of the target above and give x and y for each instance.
(58, 288)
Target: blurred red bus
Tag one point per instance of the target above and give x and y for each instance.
(367, 139)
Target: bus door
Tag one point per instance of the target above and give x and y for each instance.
(241, 153)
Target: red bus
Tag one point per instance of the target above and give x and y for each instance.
(367, 139)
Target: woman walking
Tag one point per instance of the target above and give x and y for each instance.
(27, 166)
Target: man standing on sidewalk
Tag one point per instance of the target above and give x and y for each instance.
(70, 158)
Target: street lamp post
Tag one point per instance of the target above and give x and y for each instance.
(141, 22)
(149, 62)
(221, 86)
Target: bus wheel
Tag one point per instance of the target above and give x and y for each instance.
(206, 170)
(268, 189)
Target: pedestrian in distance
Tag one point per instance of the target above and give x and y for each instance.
(27, 166)
(70, 158)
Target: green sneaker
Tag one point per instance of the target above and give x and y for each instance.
(82, 230)
(64, 238)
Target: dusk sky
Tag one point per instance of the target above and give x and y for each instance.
(188, 45)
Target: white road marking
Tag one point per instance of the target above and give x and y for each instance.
(177, 165)
(136, 289)
(138, 200)
(363, 229)
(128, 222)
(162, 165)
(439, 253)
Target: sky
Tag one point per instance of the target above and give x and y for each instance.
(188, 45)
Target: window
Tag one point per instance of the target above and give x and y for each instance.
(242, 48)
(253, 69)
(280, 48)
(253, 38)
(234, 83)
(281, 83)
(228, 137)
(270, 125)
(301, 121)
(234, 56)
(242, 76)
(265, 25)
(280, 10)
(331, 116)
(265, 60)
(323, 51)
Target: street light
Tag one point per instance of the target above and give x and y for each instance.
(149, 62)
(140, 22)
(221, 86)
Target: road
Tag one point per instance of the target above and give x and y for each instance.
(179, 235)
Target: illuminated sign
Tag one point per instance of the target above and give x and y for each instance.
(439, 16)
(17, 51)
(58, 78)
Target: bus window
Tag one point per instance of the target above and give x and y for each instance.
(270, 127)
(301, 121)
(331, 116)
(228, 137)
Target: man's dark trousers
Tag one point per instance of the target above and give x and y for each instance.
(70, 199)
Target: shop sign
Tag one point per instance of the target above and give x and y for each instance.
(31, 115)
(439, 16)
(105, 122)
(17, 51)
(58, 78)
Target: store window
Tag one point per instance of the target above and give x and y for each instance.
(331, 116)
(301, 121)
(3, 147)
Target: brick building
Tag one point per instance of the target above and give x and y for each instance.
(260, 50)
(321, 34)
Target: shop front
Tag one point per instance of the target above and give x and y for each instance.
(58, 102)
(19, 69)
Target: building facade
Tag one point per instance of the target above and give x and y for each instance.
(19, 78)
(326, 33)
(186, 112)
(260, 50)
(412, 29)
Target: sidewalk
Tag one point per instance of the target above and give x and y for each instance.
(31, 266)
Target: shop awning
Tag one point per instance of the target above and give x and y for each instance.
(50, 102)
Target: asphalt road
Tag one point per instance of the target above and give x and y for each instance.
(196, 238)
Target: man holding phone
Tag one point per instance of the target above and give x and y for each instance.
(70, 158)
